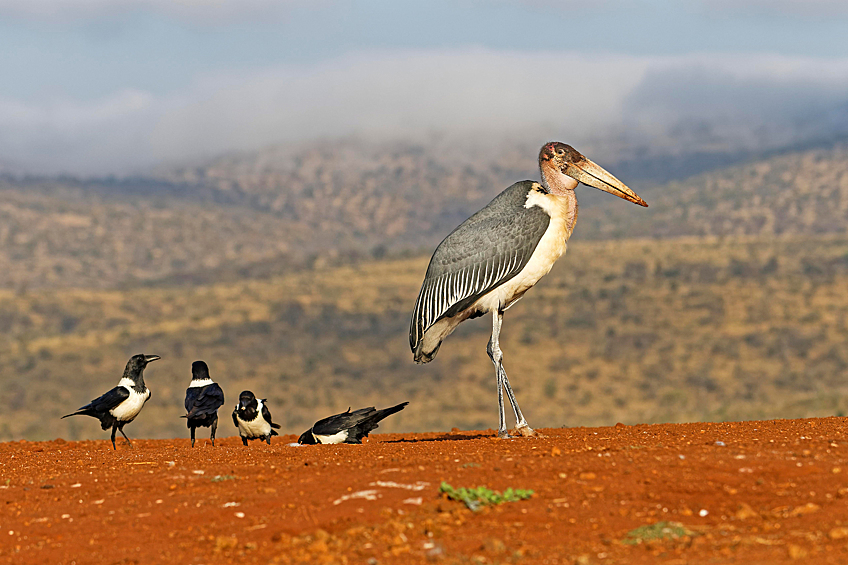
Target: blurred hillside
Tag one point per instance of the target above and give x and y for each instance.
(631, 331)
(268, 212)
(293, 272)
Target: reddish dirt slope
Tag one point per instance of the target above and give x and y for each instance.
(753, 492)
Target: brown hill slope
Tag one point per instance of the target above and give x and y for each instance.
(272, 211)
(632, 331)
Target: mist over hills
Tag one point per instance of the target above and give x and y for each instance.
(284, 208)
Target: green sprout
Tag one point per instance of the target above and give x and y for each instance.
(475, 498)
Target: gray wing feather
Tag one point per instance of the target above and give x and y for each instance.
(488, 249)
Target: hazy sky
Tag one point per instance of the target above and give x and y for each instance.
(101, 86)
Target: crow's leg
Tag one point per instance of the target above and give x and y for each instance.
(121, 429)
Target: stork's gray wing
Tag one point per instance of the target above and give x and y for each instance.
(485, 251)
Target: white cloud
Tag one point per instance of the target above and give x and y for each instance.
(412, 94)
(805, 9)
(196, 10)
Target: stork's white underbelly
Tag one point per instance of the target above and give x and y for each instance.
(257, 427)
(563, 213)
(127, 410)
(550, 248)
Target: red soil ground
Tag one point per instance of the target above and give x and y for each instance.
(753, 492)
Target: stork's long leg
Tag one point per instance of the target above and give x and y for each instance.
(114, 429)
(494, 351)
(496, 354)
(520, 423)
(214, 428)
(192, 435)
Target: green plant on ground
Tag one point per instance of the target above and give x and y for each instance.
(219, 478)
(475, 498)
(659, 531)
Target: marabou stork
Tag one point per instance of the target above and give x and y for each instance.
(495, 256)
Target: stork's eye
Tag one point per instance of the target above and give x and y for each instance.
(560, 152)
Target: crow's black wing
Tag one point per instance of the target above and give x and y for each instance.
(344, 421)
(205, 401)
(235, 417)
(104, 403)
(267, 415)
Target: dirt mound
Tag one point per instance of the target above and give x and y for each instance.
(754, 492)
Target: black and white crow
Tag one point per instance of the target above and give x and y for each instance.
(121, 405)
(347, 427)
(253, 419)
(203, 398)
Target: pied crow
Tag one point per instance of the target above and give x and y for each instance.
(253, 419)
(121, 405)
(347, 427)
(203, 398)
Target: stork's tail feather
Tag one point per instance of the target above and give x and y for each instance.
(420, 356)
(275, 426)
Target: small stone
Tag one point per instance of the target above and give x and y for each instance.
(745, 512)
(555, 452)
(808, 508)
(838, 533)
(494, 545)
(224, 543)
(587, 476)
(318, 546)
(797, 552)
(836, 470)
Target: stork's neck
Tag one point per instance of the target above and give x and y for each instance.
(571, 210)
(555, 181)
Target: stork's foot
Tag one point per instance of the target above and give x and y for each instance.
(525, 431)
(503, 434)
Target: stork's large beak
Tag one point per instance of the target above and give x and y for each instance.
(593, 175)
(149, 358)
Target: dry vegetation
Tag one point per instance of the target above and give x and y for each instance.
(268, 212)
(632, 331)
(284, 271)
